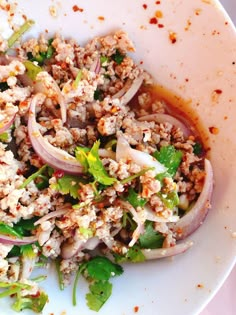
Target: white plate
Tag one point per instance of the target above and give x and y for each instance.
(201, 61)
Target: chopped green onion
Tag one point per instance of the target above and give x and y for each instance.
(77, 79)
(130, 178)
(16, 35)
(59, 274)
(33, 176)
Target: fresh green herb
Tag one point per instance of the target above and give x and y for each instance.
(4, 136)
(27, 251)
(77, 79)
(24, 227)
(170, 200)
(3, 86)
(32, 70)
(132, 177)
(104, 59)
(59, 274)
(39, 278)
(151, 239)
(42, 182)
(81, 156)
(80, 270)
(69, 184)
(135, 199)
(134, 255)
(110, 144)
(197, 148)
(86, 232)
(101, 268)
(100, 291)
(161, 176)
(170, 158)
(14, 252)
(35, 303)
(8, 230)
(98, 95)
(42, 56)
(118, 57)
(16, 35)
(51, 49)
(96, 167)
(128, 222)
(34, 176)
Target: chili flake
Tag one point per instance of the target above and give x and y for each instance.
(158, 14)
(214, 130)
(173, 37)
(76, 8)
(136, 309)
(153, 20)
(101, 18)
(158, 2)
(145, 6)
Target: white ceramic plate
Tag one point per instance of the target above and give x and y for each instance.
(200, 62)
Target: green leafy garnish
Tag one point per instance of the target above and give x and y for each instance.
(42, 56)
(32, 70)
(96, 167)
(77, 79)
(118, 57)
(69, 184)
(34, 176)
(86, 232)
(16, 35)
(27, 251)
(24, 227)
(98, 95)
(4, 136)
(81, 156)
(170, 200)
(35, 303)
(101, 268)
(151, 239)
(104, 59)
(170, 158)
(132, 177)
(135, 199)
(3, 86)
(197, 148)
(128, 222)
(8, 230)
(134, 255)
(100, 291)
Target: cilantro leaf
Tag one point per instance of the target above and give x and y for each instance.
(35, 303)
(197, 148)
(134, 255)
(151, 239)
(100, 291)
(135, 199)
(101, 268)
(96, 167)
(118, 57)
(69, 184)
(170, 158)
(171, 200)
(81, 156)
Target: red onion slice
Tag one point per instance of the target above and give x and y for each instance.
(53, 214)
(166, 252)
(143, 159)
(195, 217)
(11, 240)
(128, 91)
(96, 65)
(51, 155)
(163, 118)
(6, 123)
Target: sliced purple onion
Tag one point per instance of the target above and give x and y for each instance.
(11, 240)
(53, 214)
(128, 91)
(143, 159)
(96, 65)
(70, 249)
(51, 155)
(163, 118)
(195, 217)
(166, 252)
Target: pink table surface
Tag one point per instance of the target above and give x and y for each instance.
(224, 302)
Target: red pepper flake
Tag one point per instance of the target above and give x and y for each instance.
(188, 25)
(145, 6)
(58, 174)
(226, 23)
(101, 18)
(198, 11)
(218, 91)
(153, 20)
(158, 14)
(214, 130)
(158, 2)
(136, 309)
(186, 80)
(141, 62)
(76, 8)
(225, 117)
(160, 25)
(173, 37)
(200, 286)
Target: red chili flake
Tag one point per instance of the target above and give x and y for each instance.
(186, 79)
(8, 7)
(225, 117)
(214, 130)
(160, 25)
(173, 37)
(76, 8)
(226, 23)
(145, 6)
(141, 62)
(136, 309)
(158, 14)
(153, 20)
(200, 286)
(58, 174)
(101, 18)
(218, 91)
(158, 2)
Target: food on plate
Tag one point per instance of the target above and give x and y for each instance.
(95, 168)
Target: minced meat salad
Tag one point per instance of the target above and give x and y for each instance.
(88, 178)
